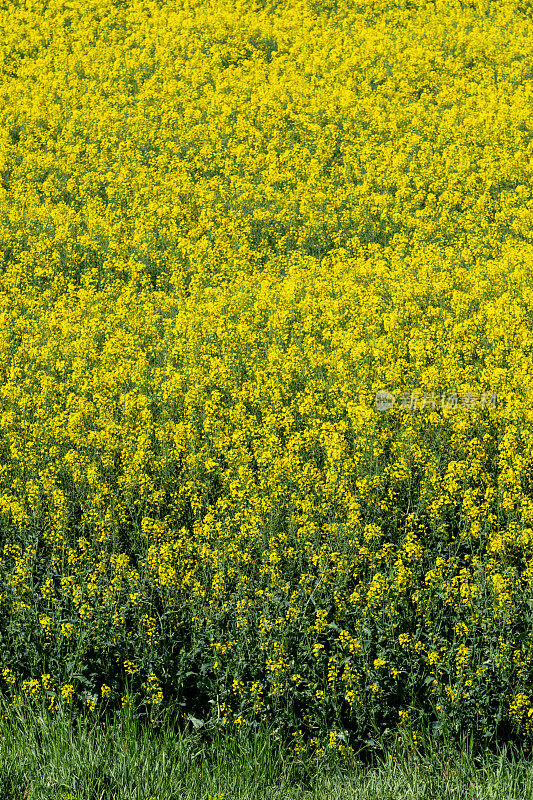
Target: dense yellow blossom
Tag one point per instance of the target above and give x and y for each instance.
(266, 323)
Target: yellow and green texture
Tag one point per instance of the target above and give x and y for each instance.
(223, 228)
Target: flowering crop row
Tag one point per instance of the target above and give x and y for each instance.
(224, 228)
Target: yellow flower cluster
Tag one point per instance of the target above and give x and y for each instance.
(224, 228)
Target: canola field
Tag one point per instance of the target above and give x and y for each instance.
(229, 232)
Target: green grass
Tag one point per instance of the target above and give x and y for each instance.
(82, 760)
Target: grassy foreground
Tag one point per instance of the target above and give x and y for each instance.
(44, 757)
(60, 759)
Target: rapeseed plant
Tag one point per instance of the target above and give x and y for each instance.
(224, 229)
